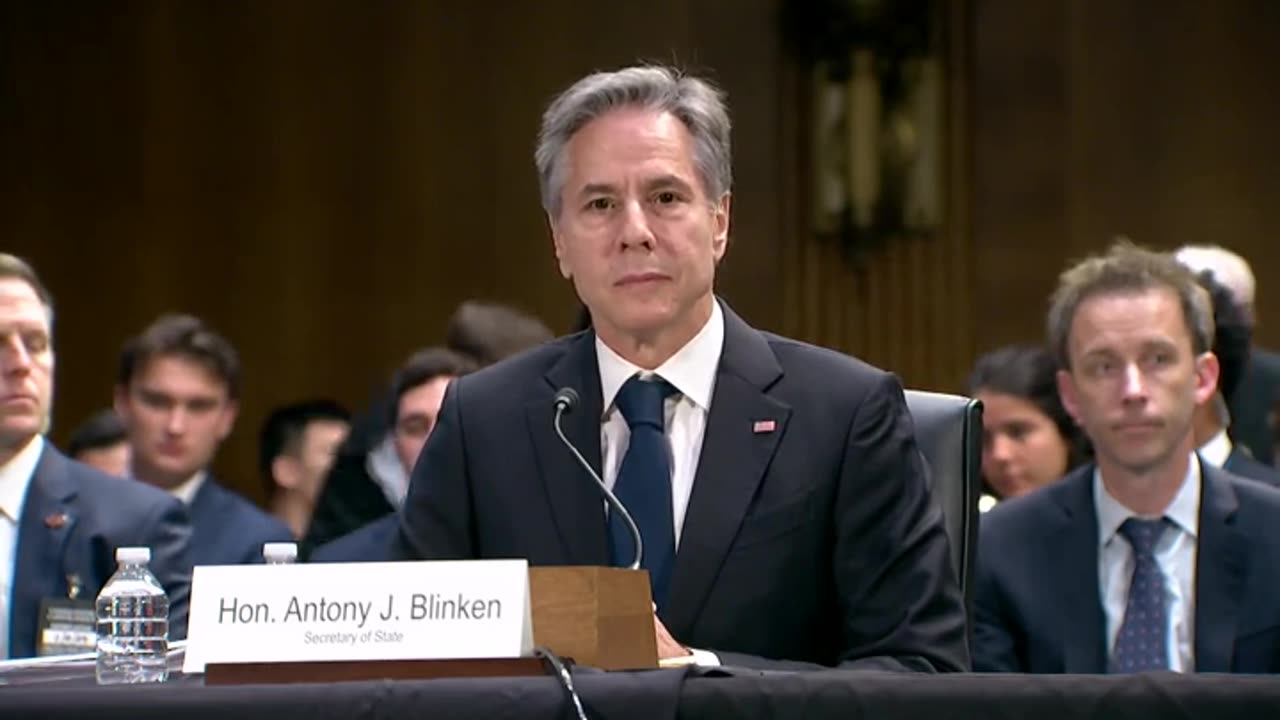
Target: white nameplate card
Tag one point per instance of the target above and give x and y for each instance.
(358, 611)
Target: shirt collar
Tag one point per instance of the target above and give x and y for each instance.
(186, 492)
(1183, 511)
(692, 370)
(1217, 450)
(15, 478)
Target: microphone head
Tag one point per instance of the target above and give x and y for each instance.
(566, 399)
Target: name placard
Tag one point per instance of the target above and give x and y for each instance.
(359, 611)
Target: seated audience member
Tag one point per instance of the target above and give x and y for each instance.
(1028, 439)
(1253, 420)
(353, 499)
(101, 442)
(297, 446)
(1149, 559)
(489, 332)
(1212, 421)
(61, 521)
(177, 392)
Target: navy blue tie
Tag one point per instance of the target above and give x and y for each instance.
(1142, 643)
(643, 484)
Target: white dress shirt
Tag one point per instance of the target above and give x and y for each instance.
(1217, 450)
(15, 478)
(1175, 554)
(692, 371)
(186, 492)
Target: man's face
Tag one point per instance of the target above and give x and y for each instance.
(636, 232)
(26, 364)
(177, 413)
(1135, 380)
(416, 417)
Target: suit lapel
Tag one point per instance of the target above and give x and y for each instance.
(576, 503)
(39, 571)
(731, 465)
(1075, 573)
(1221, 563)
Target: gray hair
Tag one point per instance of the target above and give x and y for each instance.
(15, 268)
(1228, 268)
(695, 102)
(1127, 268)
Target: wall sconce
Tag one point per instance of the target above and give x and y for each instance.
(877, 83)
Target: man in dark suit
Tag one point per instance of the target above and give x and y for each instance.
(1253, 404)
(61, 522)
(783, 505)
(177, 392)
(1151, 559)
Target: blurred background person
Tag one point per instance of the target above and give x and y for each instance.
(297, 446)
(178, 393)
(101, 442)
(1254, 401)
(1028, 439)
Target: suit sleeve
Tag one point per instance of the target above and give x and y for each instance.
(898, 595)
(436, 523)
(994, 644)
(167, 531)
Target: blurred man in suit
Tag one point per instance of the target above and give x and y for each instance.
(101, 442)
(1211, 424)
(1253, 405)
(296, 448)
(177, 391)
(61, 521)
(1150, 559)
(784, 509)
(416, 391)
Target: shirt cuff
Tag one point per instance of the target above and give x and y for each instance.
(705, 658)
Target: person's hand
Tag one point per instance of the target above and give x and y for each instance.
(667, 646)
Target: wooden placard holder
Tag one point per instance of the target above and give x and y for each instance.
(597, 616)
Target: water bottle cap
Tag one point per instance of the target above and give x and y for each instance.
(280, 551)
(133, 555)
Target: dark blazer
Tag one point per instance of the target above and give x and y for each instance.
(816, 543)
(73, 519)
(371, 543)
(229, 530)
(1239, 463)
(1253, 403)
(1039, 607)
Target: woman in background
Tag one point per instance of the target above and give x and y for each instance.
(1028, 439)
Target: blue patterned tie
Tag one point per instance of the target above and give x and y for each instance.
(1142, 643)
(643, 484)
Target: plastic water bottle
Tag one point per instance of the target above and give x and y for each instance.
(280, 553)
(133, 623)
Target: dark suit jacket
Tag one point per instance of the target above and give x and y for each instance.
(229, 530)
(96, 514)
(371, 543)
(1253, 402)
(1239, 463)
(817, 542)
(1039, 607)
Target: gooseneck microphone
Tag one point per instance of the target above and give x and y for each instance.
(566, 399)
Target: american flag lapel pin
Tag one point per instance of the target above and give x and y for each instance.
(760, 427)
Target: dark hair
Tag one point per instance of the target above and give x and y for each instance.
(489, 332)
(1233, 333)
(1125, 269)
(12, 266)
(421, 368)
(1029, 373)
(102, 430)
(182, 336)
(283, 430)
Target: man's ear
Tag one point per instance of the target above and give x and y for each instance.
(285, 472)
